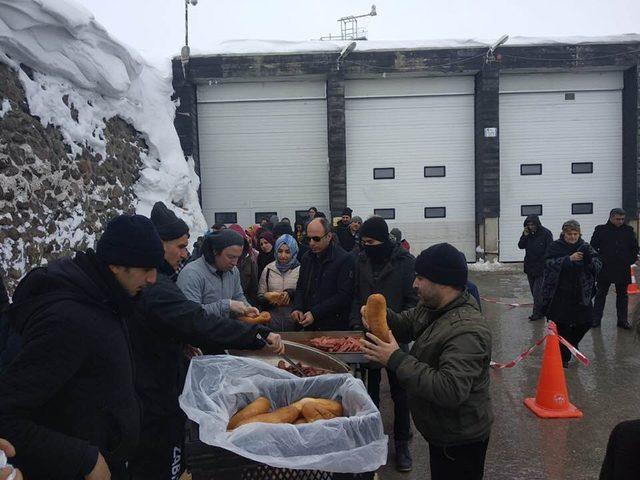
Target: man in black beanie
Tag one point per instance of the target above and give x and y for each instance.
(386, 268)
(165, 324)
(67, 400)
(446, 373)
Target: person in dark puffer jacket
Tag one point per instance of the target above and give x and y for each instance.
(67, 400)
(535, 241)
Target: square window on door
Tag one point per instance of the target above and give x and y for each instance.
(570, 96)
(226, 217)
(386, 213)
(435, 212)
(582, 167)
(526, 210)
(384, 173)
(439, 171)
(301, 215)
(264, 215)
(581, 208)
(531, 169)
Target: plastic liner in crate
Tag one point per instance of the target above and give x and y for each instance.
(218, 386)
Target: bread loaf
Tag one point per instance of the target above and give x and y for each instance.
(376, 316)
(263, 318)
(313, 411)
(331, 405)
(257, 407)
(273, 297)
(300, 421)
(282, 415)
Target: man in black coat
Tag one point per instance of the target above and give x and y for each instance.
(386, 268)
(348, 237)
(166, 323)
(67, 400)
(325, 285)
(534, 241)
(4, 298)
(618, 248)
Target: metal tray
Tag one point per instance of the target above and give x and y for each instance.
(304, 354)
(350, 358)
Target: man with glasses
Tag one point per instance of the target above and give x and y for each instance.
(325, 285)
(534, 241)
(617, 245)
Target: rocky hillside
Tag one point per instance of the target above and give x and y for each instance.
(52, 201)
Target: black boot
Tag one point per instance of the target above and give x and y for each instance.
(404, 463)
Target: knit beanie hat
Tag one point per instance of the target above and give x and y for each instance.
(443, 264)
(376, 228)
(169, 226)
(347, 211)
(397, 234)
(571, 225)
(218, 241)
(355, 219)
(130, 241)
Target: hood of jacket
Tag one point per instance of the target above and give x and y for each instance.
(533, 219)
(83, 279)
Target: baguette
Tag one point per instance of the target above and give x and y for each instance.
(300, 421)
(262, 319)
(273, 297)
(376, 316)
(282, 415)
(314, 411)
(331, 405)
(257, 407)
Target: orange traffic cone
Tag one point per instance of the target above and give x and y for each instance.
(552, 398)
(633, 286)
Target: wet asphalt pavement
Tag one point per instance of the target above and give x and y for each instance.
(522, 446)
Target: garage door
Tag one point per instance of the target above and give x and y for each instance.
(410, 157)
(263, 150)
(560, 152)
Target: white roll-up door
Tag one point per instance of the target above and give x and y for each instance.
(560, 151)
(410, 157)
(263, 150)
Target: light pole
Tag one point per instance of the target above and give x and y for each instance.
(184, 53)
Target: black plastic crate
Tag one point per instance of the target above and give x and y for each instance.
(211, 463)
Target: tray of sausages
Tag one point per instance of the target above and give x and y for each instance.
(309, 361)
(341, 345)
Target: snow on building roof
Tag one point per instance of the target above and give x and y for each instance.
(275, 47)
(74, 55)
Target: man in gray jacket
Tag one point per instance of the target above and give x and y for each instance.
(213, 279)
(446, 373)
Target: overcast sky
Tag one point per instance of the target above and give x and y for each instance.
(156, 27)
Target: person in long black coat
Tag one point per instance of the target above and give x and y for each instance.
(4, 297)
(618, 247)
(67, 399)
(325, 286)
(164, 324)
(569, 282)
(535, 241)
(386, 268)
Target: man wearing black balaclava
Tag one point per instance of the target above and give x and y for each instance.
(386, 268)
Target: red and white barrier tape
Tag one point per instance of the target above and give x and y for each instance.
(550, 331)
(510, 305)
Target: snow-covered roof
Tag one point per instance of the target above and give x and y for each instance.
(74, 55)
(273, 47)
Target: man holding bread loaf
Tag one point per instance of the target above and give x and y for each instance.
(385, 267)
(446, 372)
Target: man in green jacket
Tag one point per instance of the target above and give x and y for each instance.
(446, 373)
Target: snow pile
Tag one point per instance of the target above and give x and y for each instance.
(492, 266)
(253, 47)
(5, 107)
(74, 57)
